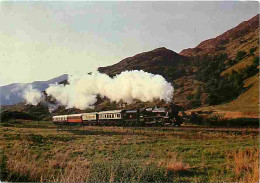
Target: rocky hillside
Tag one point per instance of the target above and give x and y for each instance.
(152, 61)
(242, 37)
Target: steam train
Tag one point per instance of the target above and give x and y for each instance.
(156, 116)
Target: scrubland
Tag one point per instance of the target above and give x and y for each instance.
(40, 152)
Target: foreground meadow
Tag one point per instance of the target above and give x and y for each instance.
(38, 151)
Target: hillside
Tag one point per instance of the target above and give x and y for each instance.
(242, 37)
(153, 61)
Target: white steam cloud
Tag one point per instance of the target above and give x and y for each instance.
(32, 96)
(81, 92)
(129, 85)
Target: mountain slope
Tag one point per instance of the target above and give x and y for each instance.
(12, 94)
(241, 37)
(248, 101)
(152, 61)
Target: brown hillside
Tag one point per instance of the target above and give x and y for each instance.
(241, 37)
(151, 61)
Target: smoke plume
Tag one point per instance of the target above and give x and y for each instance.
(32, 96)
(81, 92)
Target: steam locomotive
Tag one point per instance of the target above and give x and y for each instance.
(155, 116)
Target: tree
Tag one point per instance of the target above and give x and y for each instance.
(219, 88)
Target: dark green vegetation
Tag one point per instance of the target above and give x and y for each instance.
(27, 112)
(223, 88)
(37, 151)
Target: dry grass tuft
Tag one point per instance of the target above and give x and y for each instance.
(173, 164)
(177, 166)
(75, 171)
(245, 164)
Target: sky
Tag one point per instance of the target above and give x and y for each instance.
(43, 40)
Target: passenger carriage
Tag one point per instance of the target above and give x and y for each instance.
(74, 119)
(61, 119)
(113, 117)
(90, 118)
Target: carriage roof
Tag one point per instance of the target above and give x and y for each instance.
(74, 115)
(109, 112)
(89, 113)
(59, 116)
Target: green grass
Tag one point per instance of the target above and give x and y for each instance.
(116, 154)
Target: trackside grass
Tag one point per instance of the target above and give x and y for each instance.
(38, 151)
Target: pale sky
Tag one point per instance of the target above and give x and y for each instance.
(42, 40)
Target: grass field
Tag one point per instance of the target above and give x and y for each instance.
(37, 151)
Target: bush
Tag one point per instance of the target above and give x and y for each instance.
(256, 61)
(190, 97)
(252, 50)
(251, 70)
(173, 72)
(231, 62)
(240, 55)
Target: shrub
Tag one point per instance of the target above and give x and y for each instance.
(256, 60)
(190, 97)
(252, 50)
(231, 62)
(240, 55)
(174, 72)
